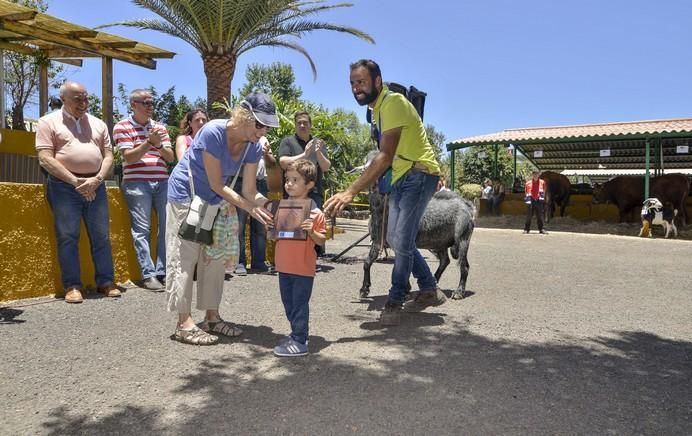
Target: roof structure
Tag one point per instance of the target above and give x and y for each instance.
(27, 31)
(604, 146)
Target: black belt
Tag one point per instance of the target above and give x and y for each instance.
(84, 175)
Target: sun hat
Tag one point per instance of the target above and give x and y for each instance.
(262, 107)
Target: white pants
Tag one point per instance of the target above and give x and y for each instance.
(181, 258)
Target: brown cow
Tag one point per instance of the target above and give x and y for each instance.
(557, 192)
(627, 193)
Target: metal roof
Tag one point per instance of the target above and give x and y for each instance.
(27, 31)
(610, 146)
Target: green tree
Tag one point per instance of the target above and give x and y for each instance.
(276, 79)
(477, 163)
(222, 30)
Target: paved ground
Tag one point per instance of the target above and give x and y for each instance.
(563, 334)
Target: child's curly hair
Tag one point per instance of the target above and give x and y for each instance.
(305, 168)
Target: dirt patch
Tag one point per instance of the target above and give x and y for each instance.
(568, 224)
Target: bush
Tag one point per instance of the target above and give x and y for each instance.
(470, 191)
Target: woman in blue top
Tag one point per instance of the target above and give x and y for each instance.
(217, 152)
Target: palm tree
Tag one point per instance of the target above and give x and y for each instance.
(222, 30)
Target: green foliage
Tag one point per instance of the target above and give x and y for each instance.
(276, 79)
(437, 139)
(470, 191)
(478, 164)
(347, 139)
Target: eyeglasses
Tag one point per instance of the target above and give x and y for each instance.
(259, 126)
(148, 103)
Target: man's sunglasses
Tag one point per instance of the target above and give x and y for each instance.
(259, 125)
(149, 103)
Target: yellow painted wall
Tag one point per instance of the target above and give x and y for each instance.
(17, 142)
(28, 259)
(579, 207)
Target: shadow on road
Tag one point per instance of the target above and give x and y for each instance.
(426, 381)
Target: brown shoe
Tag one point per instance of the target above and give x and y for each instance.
(109, 290)
(73, 295)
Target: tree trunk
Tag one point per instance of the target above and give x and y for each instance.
(18, 117)
(219, 70)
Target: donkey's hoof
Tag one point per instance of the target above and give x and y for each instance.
(364, 293)
(457, 295)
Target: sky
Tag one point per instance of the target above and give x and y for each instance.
(486, 65)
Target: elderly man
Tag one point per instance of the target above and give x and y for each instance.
(146, 148)
(75, 149)
(302, 145)
(405, 147)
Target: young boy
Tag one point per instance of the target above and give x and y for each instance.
(296, 260)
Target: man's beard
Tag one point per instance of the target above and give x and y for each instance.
(368, 98)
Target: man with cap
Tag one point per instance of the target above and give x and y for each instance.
(220, 149)
(405, 147)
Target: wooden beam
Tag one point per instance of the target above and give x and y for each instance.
(33, 52)
(77, 43)
(19, 48)
(116, 44)
(82, 33)
(66, 52)
(19, 16)
(74, 62)
(43, 90)
(107, 92)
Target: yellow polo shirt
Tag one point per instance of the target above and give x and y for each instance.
(393, 110)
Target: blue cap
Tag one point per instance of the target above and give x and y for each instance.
(262, 107)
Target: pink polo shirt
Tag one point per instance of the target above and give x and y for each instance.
(77, 144)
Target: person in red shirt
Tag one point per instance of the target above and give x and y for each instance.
(534, 197)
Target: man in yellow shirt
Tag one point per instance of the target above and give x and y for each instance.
(405, 147)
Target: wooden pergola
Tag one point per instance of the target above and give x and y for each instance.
(27, 31)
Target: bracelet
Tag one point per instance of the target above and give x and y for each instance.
(159, 147)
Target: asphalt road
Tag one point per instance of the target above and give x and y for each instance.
(561, 334)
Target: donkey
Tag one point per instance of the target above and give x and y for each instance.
(448, 222)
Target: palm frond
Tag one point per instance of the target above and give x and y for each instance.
(159, 26)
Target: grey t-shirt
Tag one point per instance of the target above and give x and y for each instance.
(293, 146)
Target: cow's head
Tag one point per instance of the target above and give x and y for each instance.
(599, 194)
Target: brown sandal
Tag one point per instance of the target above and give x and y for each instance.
(221, 327)
(194, 336)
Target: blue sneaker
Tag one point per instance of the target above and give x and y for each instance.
(288, 347)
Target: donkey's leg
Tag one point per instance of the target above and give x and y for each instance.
(443, 257)
(463, 250)
(367, 264)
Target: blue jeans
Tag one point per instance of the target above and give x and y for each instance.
(407, 202)
(258, 233)
(295, 295)
(140, 197)
(69, 208)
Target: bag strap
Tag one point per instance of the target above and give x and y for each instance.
(240, 167)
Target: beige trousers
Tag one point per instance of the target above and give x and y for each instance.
(181, 258)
